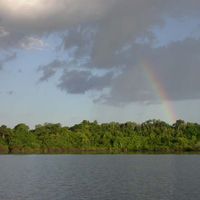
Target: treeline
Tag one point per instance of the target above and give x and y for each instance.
(152, 135)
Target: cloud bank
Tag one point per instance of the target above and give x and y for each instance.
(110, 42)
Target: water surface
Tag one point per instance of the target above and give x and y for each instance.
(100, 177)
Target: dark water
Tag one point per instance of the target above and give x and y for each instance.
(100, 177)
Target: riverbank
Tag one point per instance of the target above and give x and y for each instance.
(91, 151)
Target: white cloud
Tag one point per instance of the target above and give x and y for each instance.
(30, 43)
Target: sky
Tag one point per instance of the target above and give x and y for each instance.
(107, 60)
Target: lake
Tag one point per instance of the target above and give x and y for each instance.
(100, 177)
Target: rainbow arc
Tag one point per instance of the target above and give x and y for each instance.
(160, 91)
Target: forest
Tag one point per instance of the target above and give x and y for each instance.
(92, 137)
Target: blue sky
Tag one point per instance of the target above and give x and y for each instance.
(103, 87)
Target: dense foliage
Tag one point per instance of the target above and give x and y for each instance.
(152, 135)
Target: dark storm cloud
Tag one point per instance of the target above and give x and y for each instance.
(75, 81)
(105, 35)
(118, 21)
(50, 69)
(175, 68)
(20, 20)
(79, 82)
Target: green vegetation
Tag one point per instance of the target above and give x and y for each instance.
(150, 136)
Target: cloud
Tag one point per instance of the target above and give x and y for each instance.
(26, 20)
(115, 35)
(17, 40)
(80, 82)
(75, 81)
(126, 19)
(42, 17)
(50, 69)
(33, 43)
(173, 70)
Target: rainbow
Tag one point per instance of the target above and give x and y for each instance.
(160, 91)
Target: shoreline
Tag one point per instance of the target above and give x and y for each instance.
(108, 153)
